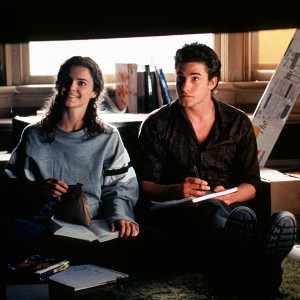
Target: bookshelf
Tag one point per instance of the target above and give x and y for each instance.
(140, 88)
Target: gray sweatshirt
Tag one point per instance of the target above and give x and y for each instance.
(101, 164)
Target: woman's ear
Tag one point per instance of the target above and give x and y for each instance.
(93, 95)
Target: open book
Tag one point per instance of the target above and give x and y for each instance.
(191, 200)
(96, 230)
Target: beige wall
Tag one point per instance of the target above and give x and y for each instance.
(244, 95)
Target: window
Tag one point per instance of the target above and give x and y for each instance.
(157, 51)
(245, 56)
(268, 47)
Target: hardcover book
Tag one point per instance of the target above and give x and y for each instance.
(149, 95)
(154, 89)
(160, 100)
(167, 98)
(141, 88)
(126, 87)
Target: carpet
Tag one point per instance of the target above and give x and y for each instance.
(191, 286)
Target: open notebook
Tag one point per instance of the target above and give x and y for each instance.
(191, 200)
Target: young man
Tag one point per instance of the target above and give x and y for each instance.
(197, 144)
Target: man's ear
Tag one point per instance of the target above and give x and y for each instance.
(213, 83)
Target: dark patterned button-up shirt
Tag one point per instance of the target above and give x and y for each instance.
(169, 150)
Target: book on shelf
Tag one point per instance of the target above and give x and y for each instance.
(191, 200)
(160, 99)
(149, 93)
(166, 94)
(82, 281)
(154, 89)
(126, 86)
(141, 88)
(37, 267)
(97, 230)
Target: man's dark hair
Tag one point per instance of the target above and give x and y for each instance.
(196, 52)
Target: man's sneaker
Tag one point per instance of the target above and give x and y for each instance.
(277, 241)
(240, 231)
(280, 236)
(237, 256)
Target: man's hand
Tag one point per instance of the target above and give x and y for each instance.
(194, 187)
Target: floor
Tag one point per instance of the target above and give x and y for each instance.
(27, 292)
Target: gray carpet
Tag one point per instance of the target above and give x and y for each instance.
(190, 286)
(193, 287)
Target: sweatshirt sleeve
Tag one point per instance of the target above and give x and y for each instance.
(15, 169)
(120, 190)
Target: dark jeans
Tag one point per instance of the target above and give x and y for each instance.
(191, 238)
(185, 234)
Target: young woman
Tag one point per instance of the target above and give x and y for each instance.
(70, 145)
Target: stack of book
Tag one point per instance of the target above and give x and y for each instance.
(140, 88)
(36, 268)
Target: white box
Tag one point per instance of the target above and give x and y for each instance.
(282, 191)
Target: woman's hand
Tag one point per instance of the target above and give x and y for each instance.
(55, 187)
(127, 228)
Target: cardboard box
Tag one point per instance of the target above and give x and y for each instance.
(282, 191)
(277, 100)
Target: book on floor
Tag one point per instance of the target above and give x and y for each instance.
(191, 200)
(82, 280)
(37, 267)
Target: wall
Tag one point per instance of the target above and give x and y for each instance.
(25, 100)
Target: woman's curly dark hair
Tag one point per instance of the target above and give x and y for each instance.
(54, 105)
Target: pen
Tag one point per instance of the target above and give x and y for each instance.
(196, 171)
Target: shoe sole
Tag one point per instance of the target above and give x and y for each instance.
(241, 228)
(281, 237)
